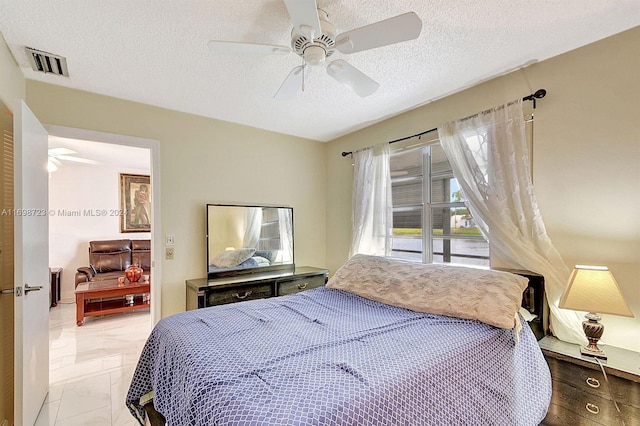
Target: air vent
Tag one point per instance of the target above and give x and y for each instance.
(47, 63)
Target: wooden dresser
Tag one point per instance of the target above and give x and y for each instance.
(582, 396)
(202, 293)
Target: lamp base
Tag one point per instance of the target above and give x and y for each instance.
(593, 331)
(596, 353)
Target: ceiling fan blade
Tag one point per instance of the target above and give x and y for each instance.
(350, 76)
(55, 161)
(304, 15)
(77, 159)
(390, 31)
(292, 84)
(218, 46)
(54, 152)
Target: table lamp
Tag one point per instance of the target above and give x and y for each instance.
(593, 289)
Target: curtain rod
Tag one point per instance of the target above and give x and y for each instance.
(539, 94)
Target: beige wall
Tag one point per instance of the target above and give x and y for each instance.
(586, 162)
(204, 161)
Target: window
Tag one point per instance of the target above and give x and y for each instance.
(426, 196)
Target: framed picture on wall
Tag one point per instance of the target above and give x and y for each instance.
(135, 203)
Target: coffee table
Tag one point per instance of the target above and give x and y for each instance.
(89, 295)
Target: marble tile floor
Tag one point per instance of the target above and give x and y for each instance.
(90, 367)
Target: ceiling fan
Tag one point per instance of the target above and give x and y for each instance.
(315, 39)
(66, 154)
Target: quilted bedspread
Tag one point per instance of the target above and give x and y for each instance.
(328, 357)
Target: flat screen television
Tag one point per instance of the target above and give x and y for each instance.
(244, 239)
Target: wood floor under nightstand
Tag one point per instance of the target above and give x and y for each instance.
(582, 396)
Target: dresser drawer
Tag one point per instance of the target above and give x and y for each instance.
(238, 294)
(296, 285)
(560, 416)
(581, 397)
(571, 406)
(592, 382)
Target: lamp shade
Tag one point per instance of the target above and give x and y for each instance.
(594, 289)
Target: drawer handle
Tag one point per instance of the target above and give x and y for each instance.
(594, 383)
(592, 408)
(244, 296)
(302, 286)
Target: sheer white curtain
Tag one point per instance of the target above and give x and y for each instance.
(253, 220)
(285, 221)
(489, 157)
(371, 217)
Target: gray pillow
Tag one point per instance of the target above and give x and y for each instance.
(231, 258)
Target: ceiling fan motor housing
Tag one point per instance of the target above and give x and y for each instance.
(316, 50)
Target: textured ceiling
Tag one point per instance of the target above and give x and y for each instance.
(155, 52)
(101, 154)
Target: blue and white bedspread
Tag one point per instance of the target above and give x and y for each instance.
(327, 357)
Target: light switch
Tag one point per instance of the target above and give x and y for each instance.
(170, 239)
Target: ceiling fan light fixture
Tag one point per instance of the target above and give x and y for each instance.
(314, 55)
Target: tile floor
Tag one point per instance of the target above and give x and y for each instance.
(90, 367)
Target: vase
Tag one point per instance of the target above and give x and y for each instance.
(133, 273)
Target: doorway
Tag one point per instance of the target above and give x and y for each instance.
(122, 141)
(92, 364)
(7, 361)
(86, 204)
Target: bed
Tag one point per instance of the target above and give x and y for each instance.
(331, 356)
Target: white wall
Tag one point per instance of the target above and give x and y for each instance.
(83, 190)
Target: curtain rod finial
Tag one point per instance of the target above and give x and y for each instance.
(540, 94)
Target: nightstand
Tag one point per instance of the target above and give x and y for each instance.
(582, 396)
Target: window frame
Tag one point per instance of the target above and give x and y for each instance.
(428, 206)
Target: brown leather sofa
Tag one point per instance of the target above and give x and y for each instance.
(108, 259)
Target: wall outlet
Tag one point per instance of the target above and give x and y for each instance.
(170, 239)
(168, 252)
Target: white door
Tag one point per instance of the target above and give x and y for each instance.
(31, 266)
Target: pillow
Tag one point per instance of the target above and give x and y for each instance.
(270, 255)
(492, 297)
(249, 263)
(230, 258)
(261, 261)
